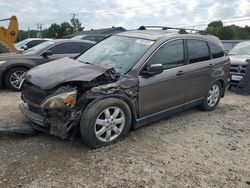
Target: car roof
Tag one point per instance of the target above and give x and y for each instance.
(30, 39)
(158, 34)
(73, 40)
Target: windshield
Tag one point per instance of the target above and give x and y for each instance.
(38, 48)
(242, 48)
(123, 52)
(21, 43)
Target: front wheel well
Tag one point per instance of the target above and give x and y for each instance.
(122, 98)
(9, 69)
(223, 85)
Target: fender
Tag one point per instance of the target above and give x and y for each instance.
(129, 102)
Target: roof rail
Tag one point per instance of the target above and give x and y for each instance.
(181, 30)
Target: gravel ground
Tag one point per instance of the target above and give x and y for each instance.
(190, 149)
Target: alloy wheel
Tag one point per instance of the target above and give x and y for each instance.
(16, 78)
(213, 95)
(109, 124)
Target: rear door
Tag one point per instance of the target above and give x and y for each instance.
(198, 70)
(167, 89)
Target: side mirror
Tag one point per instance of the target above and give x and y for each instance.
(153, 69)
(25, 47)
(47, 53)
(226, 52)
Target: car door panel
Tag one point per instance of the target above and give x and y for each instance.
(161, 92)
(167, 89)
(198, 70)
(197, 82)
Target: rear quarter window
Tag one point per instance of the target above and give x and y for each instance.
(198, 51)
(216, 51)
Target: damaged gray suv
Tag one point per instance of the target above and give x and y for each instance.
(127, 80)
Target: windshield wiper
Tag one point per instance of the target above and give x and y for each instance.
(85, 62)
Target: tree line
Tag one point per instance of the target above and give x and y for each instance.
(230, 32)
(58, 31)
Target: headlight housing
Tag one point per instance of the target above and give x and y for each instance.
(60, 101)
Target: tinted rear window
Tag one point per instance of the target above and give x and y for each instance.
(198, 51)
(216, 52)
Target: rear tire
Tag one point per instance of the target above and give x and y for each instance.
(213, 97)
(14, 77)
(106, 122)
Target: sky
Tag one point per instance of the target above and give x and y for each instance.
(129, 14)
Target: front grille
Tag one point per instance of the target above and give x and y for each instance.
(33, 93)
(239, 70)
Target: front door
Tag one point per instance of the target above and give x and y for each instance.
(61, 50)
(167, 89)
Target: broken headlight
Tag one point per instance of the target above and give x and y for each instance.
(63, 100)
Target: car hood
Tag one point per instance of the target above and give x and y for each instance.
(54, 73)
(239, 59)
(10, 56)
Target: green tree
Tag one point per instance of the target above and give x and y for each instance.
(214, 28)
(227, 33)
(76, 24)
(231, 32)
(58, 30)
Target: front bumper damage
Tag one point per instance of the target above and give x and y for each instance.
(54, 125)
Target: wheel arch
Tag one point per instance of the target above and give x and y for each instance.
(121, 97)
(223, 85)
(3, 76)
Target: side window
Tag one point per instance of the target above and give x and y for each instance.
(65, 48)
(34, 43)
(170, 55)
(99, 38)
(83, 47)
(216, 51)
(198, 51)
(92, 38)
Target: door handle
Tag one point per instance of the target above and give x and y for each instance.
(211, 65)
(179, 73)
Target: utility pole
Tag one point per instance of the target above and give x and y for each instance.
(74, 16)
(39, 30)
(28, 31)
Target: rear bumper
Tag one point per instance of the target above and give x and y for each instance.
(1, 76)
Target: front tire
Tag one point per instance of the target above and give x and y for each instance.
(213, 97)
(14, 78)
(106, 122)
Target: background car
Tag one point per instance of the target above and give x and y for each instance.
(14, 66)
(29, 43)
(96, 38)
(240, 70)
(4, 48)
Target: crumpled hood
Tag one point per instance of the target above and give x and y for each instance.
(239, 59)
(54, 73)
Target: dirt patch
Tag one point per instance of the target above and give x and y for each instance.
(190, 149)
